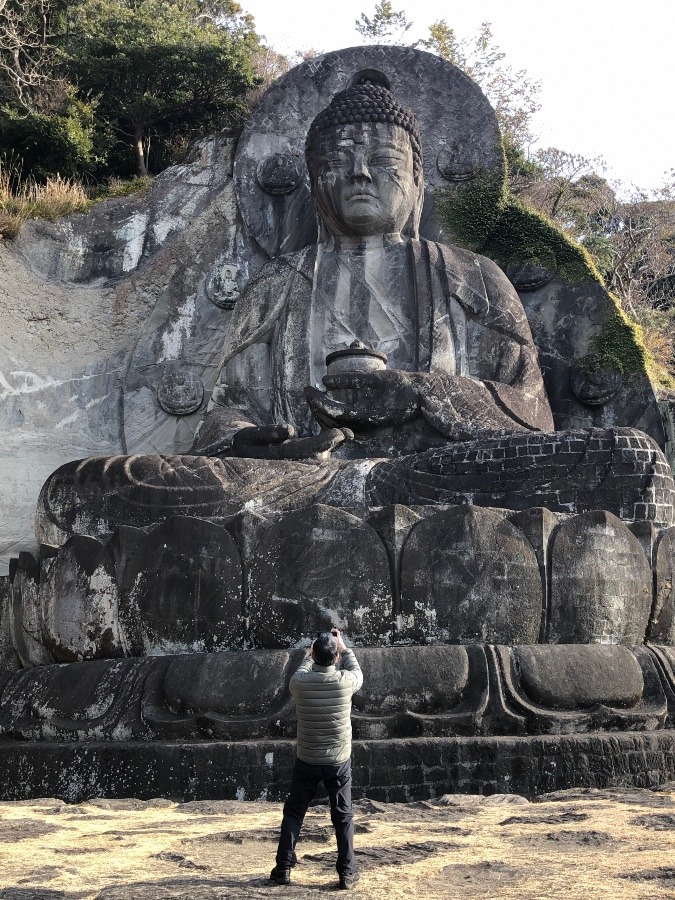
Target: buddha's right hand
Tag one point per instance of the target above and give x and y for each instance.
(279, 442)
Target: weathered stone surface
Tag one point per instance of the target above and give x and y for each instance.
(618, 469)
(439, 691)
(667, 410)
(601, 583)
(316, 569)
(230, 684)
(418, 569)
(468, 575)
(537, 525)
(595, 388)
(235, 696)
(662, 620)
(648, 534)
(25, 619)
(79, 603)
(182, 591)
(8, 657)
(393, 524)
(579, 677)
(401, 770)
(414, 679)
(565, 318)
(97, 307)
(611, 689)
(94, 700)
(459, 128)
(180, 392)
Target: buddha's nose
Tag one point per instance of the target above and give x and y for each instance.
(359, 167)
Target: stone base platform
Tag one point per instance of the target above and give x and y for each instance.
(396, 770)
(429, 720)
(392, 575)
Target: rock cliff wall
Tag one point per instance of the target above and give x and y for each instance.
(111, 327)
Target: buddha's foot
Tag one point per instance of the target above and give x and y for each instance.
(621, 470)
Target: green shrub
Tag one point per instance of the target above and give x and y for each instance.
(51, 145)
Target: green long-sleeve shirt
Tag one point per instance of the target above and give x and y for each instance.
(323, 700)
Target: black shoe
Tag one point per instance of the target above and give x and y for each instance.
(347, 882)
(280, 876)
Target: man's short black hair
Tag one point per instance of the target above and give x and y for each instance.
(325, 649)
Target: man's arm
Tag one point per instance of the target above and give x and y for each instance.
(350, 665)
(303, 669)
(348, 662)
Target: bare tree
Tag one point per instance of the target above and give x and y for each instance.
(560, 177)
(268, 65)
(514, 95)
(630, 233)
(26, 55)
(387, 26)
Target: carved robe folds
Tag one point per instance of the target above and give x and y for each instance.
(478, 437)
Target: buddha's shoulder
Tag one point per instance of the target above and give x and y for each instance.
(456, 257)
(473, 267)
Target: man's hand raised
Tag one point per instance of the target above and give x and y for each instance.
(340, 643)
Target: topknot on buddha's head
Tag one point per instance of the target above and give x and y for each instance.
(367, 99)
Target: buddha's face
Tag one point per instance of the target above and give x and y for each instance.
(363, 179)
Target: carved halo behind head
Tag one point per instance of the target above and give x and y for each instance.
(456, 131)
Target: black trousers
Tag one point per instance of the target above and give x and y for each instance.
(338, 782)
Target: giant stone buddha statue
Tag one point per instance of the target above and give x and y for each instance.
(378, 454)
(373, 367)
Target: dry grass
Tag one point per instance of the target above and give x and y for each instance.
(610, 845)
(56, 198)
(30, 200)
(122, 187)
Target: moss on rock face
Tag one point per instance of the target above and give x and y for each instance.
(482, 216)
(619, 345)
(524, 236)
(471, 211)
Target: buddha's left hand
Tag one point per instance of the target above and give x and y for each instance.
(387, 397)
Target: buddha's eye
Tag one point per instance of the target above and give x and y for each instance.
(385, 159)
(334, 160)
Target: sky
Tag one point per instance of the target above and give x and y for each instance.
(606, 67)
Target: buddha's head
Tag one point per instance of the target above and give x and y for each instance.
(365, 163)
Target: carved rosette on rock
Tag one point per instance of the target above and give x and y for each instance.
(180, 392)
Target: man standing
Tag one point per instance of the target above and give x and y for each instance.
(323, 700)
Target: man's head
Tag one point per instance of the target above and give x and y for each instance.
(365, 161)
(325, 649)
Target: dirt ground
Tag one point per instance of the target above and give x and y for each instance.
(573, 844)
